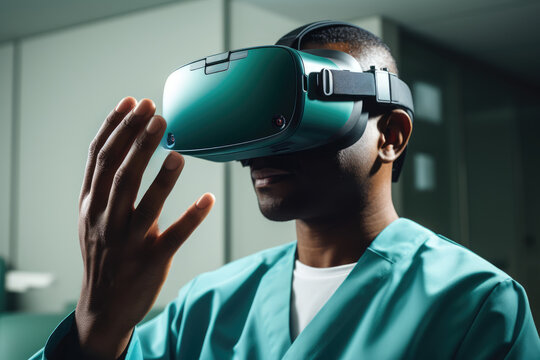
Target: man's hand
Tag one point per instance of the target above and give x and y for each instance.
(126, 258)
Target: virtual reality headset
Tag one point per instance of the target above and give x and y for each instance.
(272, 100)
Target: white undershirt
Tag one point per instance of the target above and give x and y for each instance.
(311, 289)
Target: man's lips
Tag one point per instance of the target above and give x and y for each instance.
(266, 176)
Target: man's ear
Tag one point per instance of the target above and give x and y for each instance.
(395, 130)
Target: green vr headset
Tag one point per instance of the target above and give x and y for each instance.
(278, 99)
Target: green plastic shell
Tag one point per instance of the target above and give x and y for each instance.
(231, 114)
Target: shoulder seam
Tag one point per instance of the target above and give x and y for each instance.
(381, 255)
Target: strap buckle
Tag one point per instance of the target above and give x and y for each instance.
(327, 82)
(382, 84)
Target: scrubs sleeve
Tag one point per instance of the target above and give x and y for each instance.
(503, 328)
(156, 339)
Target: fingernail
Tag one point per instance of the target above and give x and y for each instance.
(154, 126)
(141, 109)
(123, 106)
(204, 201)
(172, 162)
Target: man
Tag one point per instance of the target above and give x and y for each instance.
(359, 282)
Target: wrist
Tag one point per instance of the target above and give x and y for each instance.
(99, 338)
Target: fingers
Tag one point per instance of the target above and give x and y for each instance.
(111, 122)
(177, 233)
(115, 149)
(127, 179)
(152, 202)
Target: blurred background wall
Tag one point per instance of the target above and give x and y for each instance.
(472, 166)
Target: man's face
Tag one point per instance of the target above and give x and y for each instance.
(315, 183)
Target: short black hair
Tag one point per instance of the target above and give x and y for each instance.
(366, 47)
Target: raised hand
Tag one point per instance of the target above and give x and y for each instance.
(126, 258)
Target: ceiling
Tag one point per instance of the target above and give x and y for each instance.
(505, 33)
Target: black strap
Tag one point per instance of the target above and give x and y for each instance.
(294, 38)
(383, 86)
(346, 83)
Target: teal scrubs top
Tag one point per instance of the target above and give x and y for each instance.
(412, 295)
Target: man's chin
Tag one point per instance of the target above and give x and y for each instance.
(276, 209)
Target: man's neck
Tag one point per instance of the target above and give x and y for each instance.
(342, 238)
